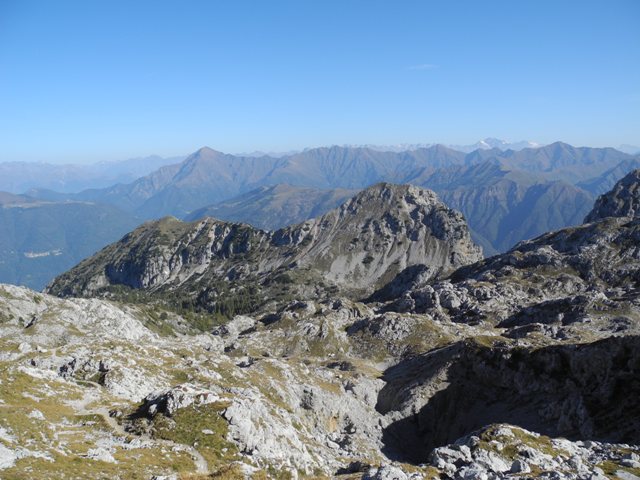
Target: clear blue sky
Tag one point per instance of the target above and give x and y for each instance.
(98, 80)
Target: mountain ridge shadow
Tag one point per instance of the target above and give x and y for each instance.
(580, 392)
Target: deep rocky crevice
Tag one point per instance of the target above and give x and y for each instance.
(582, 392)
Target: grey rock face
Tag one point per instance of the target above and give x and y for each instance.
(386, 472)
(178, 397)
(232, 329)
(385, 229)
(557, 285)
(622, 201)
(564, 390)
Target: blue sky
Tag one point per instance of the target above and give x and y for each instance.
(88, 80)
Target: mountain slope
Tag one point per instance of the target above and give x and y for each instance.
(561, 161)
(504, 206)
(7, 198)
(605, 182)
(354, 248)
(41, 240)
(130, 196)
(275, 207)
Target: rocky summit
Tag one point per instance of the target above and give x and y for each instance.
(371, 343)
(622, 201)
(352, 250)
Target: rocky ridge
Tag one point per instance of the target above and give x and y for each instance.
(577, 287)
(549, 285)
(622, 201)
(353, 249)
(503, 451)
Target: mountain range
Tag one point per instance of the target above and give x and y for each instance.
(207, 176)
(485, 144)
(505, 195)
(392, 351)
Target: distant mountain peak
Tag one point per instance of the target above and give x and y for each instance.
(439, 147)
(490, 143)
(560, 144)
(206, 152)
(485, 144)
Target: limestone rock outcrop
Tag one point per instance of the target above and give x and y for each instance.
(353, 249)
(622, 201)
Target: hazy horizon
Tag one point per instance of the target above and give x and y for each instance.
(257, 152)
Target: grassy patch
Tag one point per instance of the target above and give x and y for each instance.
(511, 449)
(137, 464)
(93, 420)
(187, 425)
(610, 468)
(489, 341)
(426, 335)
(67, 437)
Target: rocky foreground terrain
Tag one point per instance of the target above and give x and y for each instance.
(416, 358)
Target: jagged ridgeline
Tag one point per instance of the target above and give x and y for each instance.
(622, 201)
(229, 268)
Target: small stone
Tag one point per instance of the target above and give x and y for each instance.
(7, 457)
(520, 466)
(385, 472)
(36, 415)
(101, 454)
